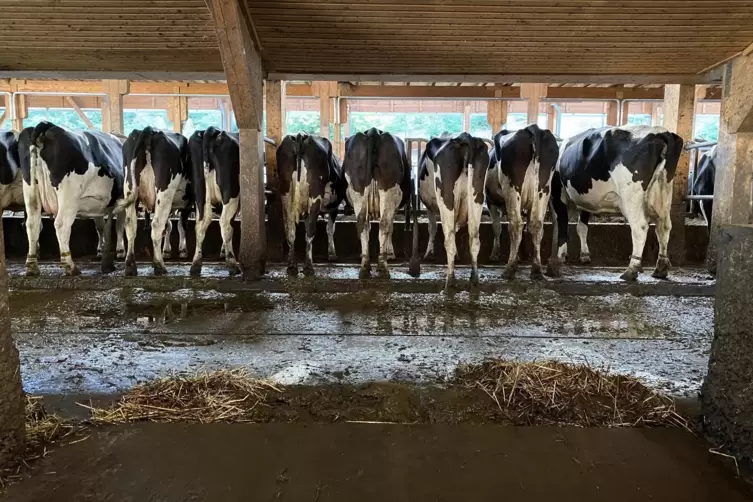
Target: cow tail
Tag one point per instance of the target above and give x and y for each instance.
(659, 192)
(369, 192)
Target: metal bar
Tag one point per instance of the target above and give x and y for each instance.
(699, 197)
(696, 146)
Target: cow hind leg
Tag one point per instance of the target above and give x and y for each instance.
(475, 210)
(202, 224)
(447, 217)
(182, 247)
(33, 227)
(290, 222)
(515, 226)
(559, 229)
(167, 248)
(229, 211)
(582, 228)
(663, 228)
(363, 225)
(99, 225)
(432, 234)
(638, 222)
(331, 251)
(388, 206)
(63, 224)
(536, 229)
(119, 229)
(108, 255)
(130, 228)
(314, 209)
(159, 224)
(496, 215)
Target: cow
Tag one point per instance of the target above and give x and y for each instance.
(68, 174)
(521, 167)
(627, 170)
(11, 185)
(452, 173)
(311, 183)
(703, 184)
(378, 173)
(215, 158)
(158, 175)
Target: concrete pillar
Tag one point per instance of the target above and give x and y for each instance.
(11, 397)
(679, 110)
(275, 98)
(253, 253)
(727, 394)
(732, 186)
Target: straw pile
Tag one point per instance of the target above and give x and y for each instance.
(42, 431)
(555, 393)
(218, 396)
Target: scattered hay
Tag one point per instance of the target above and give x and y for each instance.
(556, 393)
(43, 430)
(218, 396)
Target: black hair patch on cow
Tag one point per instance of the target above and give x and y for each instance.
(24, 159)
(454, 156)
(9, 159)
(196, 154)
(225, 161)
(514, 155)
(643, 157)
(675, 145)
(584, 160)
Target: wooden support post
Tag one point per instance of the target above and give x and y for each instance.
(612, 113)
(12, 423)
(679, 109)
(734, 172)
(112, 111)
(22, 111)
(345, 121)
(625, 112)
(275, 98)
(72, 101)
(177, 111)
(533, 94)
(655, 115)
(243, 72)
(496, 115)
(4, 116)
(467, 118)
(727, 406)
(551, 118)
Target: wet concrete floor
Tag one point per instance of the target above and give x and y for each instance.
(346, 462)
(94, 334)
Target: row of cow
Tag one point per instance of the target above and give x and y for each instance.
(69, 174)
(66, 174)
(627, 170)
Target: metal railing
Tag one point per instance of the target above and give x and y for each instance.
(696, 150)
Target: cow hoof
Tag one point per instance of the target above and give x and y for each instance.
(292, 270)
(510, 272)
(183, 254)
(429, 256)
(97, 258)
(108, 267)
(382, 271)
(536, 273)
(585, 259)
(159, 270)
(364, 273)
(390, 256)
(234, 269)
(474, 279)
(414, 269)
(167, 255)
(308, 270)
(32, 270)
(494, 257)
(72, 271)
(662, 269)
(195, 269)
(332, 257)
(450, 287)
(120, 255)
(554, 267)
(222, 255)
(131, 269)
(630, 275)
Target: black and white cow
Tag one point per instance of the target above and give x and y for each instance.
(311, 183)
(625, 169)
(378, 173)
(703, 184)
(452, 173)
(11, 186)
(68, 174)
(215, 155)
(519, 182)
(158, 175)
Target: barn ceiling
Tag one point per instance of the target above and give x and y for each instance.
(368, 39)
